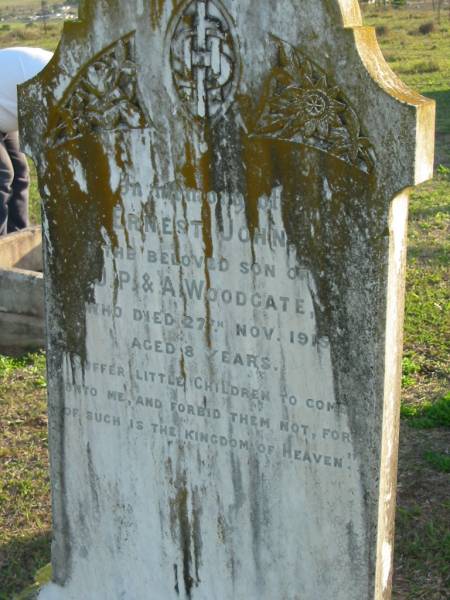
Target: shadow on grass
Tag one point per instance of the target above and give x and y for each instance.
(421, 213)
(442, 150)
(442, 98)
(432, 254)
(20, 559)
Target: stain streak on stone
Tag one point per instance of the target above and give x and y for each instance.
(355, 208)
(176, 586)
(77, 261)
(93, 480)
(189, 534)
(208, 251)
(62, 555)
(196, 532)
(188, 169)
(156, 12)
(256, 522)
(124, 167)
(183, 372)
(196, 173)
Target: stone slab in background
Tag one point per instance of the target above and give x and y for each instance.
(21, 292)
(22, 250)
(225, 196)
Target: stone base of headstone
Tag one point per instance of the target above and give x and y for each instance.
(21, 292)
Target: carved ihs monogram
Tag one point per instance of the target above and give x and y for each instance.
(203, 56)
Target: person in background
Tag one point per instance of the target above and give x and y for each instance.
(17, 65)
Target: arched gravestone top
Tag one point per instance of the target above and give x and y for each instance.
(225, 199)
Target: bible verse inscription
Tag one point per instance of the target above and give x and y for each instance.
(223, 353)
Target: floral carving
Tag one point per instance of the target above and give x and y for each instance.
(300, 105)
(103, 96)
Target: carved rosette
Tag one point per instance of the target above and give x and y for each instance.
(300, 105)
(103, 96)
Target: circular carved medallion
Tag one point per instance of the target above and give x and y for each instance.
(204, 57)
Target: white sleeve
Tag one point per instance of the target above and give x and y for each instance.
(17, 65)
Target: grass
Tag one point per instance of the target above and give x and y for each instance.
(424, 548)
(426, 366)
(24, 485)
(35, 207)
(420, 67)
(422, 555)
(14, 6)
(427, 415)
(402, 43)
(439, 461)
(34, 35)
(43, 576)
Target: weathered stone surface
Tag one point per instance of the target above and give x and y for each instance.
(225, 190)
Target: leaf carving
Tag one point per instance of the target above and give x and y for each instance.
(301, 105)
(103, 96)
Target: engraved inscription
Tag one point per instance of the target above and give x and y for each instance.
(223, 350)
(204, 60)
(103, 96)
(301, 105)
